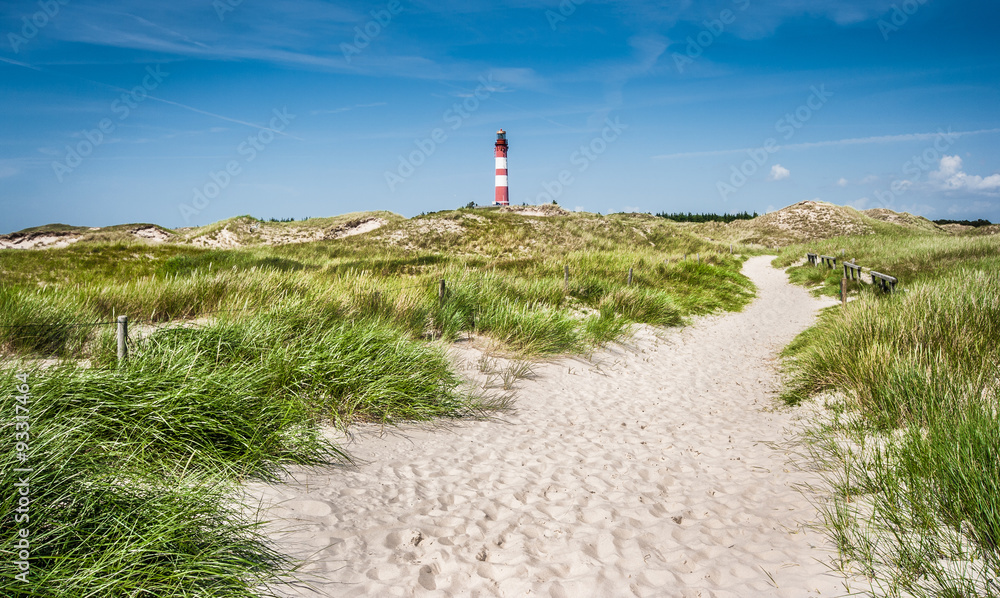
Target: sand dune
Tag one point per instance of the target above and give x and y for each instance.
(648, 470)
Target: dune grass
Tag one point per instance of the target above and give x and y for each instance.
(135, 467)
(914, 447)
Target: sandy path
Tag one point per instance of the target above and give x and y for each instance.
(643, 472)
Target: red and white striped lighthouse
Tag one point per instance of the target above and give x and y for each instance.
(502, 197)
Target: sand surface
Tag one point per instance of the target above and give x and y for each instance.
(37, 241)
(650, 469)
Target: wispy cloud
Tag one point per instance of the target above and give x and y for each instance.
(156, 99)
(22, 64)
(346, 108)
(831, 143)
(769, 16)
(303, 35)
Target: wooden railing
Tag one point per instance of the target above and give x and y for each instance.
(888, 283)
(852, 271)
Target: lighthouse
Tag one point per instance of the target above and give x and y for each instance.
(502, 197)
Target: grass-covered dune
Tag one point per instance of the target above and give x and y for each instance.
(913, 449)
(241, 350)
(809, 221)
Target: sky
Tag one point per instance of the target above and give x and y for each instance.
(187, 112)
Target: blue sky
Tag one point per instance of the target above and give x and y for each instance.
(191, 111)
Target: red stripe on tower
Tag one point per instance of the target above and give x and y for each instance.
(502, 197)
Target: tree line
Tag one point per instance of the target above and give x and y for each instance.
(690, 217)
(976, 223)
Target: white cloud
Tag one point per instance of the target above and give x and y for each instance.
(951, 177)
(859, 204)
(6, 171)
(779, 172)
(842, 182)
(872, 178)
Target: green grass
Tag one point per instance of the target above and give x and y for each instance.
(915, 444)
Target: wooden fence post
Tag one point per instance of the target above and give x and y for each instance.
(566, 279)
(441, 291)
(122, 338)
(630, 277)
(843, 291)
